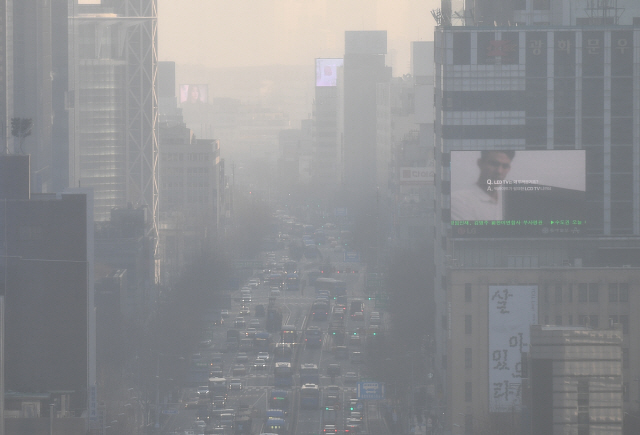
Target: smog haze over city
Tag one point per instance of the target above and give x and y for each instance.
(305, 217)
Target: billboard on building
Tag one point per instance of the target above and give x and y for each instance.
(512, 310)
(518, 193)
(327, 71)
(416, 175)
(194, 94)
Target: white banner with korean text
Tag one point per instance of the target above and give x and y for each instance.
(512, 310)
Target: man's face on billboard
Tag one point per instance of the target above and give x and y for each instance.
(494, 166)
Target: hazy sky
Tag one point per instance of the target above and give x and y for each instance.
(232, 33)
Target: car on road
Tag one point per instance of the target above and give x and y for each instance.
(239, 370)
(330, 429)
(202, 390)
(259, 364)
(374, 318)
(350, 378)
(242, 357)
(216, 372)
(235, 384)
(356, 357)
(334, 370)
(244, 311)
(224, 313)
(274, 292)
(263, 355)
(357, 316)
(254, 283)
(254, 323)
(205, 344)
(239, 323)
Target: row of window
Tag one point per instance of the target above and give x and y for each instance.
(187, 157)
(587, 292)
(590, 320)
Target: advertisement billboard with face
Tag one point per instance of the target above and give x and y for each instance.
(194, 94)
(327, 71)
(512, 310)
(518, 193)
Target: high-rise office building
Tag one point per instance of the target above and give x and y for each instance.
(116, 147)
(328, 137)
(6, 73)
(364, 69)
(47, 283)
(537, 148)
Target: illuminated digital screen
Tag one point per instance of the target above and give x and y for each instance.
(194, 94)
(327, 71)
(518, 193)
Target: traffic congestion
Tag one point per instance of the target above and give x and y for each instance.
(287, 352)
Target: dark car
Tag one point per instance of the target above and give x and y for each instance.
(334, 370)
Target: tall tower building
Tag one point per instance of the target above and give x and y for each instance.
(46, 279)
(327, 156)
(116, 147)
(537, 151)
(364, 71)
(6, 73)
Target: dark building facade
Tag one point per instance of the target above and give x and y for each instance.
(45, 274)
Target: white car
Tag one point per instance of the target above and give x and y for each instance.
(274, 293)
(254, 283)
(350, 377)
(263, 355)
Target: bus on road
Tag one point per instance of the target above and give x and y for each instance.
(309, 396)
(309, 374)
(289, 334)
(333, 286)
(313, 337)
(279, 399)
(283, 375)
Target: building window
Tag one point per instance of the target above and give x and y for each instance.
(625, 391)
(558, 320)
(583, 403)
(625, 358)
(467, 324)
(444, 322)
(613, 293)
(545, 294)
(613, 320)
(468, 424)
(624, 321)
(593, 321)
(583, 320)
(570, 320)
(467, 292)
(468, 396)
(467, 358)
(593, 292)
(623, 292)
(558, 294)
(444, 362)
(546, 320)
(583, 293)
(570, 293)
